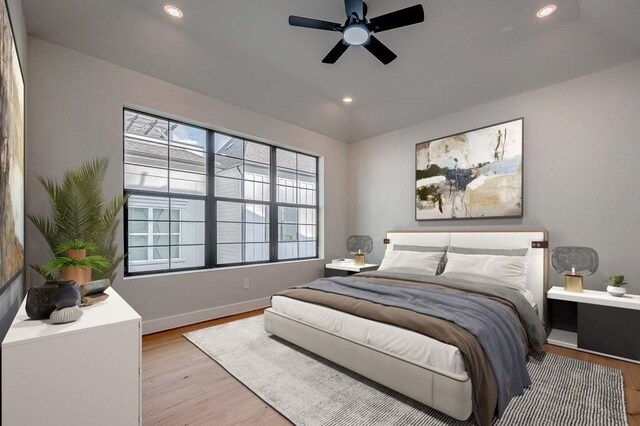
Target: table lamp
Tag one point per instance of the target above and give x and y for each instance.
(574, 262)
(359, 245)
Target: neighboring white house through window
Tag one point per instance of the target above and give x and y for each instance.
(151, 237)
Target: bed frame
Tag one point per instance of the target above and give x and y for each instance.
(431, 387)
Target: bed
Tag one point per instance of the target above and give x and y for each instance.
(431, 370)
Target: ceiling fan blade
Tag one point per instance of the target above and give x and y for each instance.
(354, 6)
(400, 18)
(299, 21)
(336, 52)
(379, 50)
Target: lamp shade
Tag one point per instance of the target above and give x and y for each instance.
(359, 244)
(582, 260)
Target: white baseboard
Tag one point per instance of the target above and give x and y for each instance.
(167, 323)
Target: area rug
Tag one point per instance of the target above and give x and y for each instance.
(309, 390)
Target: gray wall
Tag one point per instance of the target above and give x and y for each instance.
(582, 150)
(13, 294)
(75, 111)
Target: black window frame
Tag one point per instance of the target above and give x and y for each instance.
(298, 205)
(211, 200)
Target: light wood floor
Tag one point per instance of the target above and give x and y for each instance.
(183, 386)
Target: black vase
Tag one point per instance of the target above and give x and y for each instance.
(40, 301)
(68, 295)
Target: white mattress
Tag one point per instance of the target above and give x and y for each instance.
(399, 342)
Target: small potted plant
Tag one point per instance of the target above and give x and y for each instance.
(75, 249)
(70, 269)
(615, 285)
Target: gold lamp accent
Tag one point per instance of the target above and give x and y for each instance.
(358, 246)
(573, 282)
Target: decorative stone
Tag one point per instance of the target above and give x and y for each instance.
(92, 299)
(93, 287)
(65, 315)
(68, 295)
(40, 301)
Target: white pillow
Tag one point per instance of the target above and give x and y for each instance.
(411, 262)
(510, 271)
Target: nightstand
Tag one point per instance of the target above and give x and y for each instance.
(346, 268)
(594, 321)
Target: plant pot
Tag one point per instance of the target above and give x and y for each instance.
(76, 253)
(79, 274)
(616, 291)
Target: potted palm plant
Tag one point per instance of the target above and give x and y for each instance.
(75, 249)
(73, 264)
(80, 220)
(74, 269)
(615, 285)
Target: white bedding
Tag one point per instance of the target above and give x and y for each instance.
(399, 342)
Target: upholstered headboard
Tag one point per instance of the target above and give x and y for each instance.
(493, 239)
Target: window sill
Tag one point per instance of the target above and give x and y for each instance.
(155, 261)
(222, 268)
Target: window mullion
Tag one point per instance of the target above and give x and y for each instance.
(149, 234)
(211, 238)
(317, 208)
(273, 208)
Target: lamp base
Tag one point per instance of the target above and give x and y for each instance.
(358, 260)
(573, 283)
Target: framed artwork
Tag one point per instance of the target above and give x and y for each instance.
(474, 174)
(11, 154)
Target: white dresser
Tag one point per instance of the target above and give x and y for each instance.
(80, 373)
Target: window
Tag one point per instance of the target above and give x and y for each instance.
(200, 199)
(149, 241)
(242, 193)
(296, 199)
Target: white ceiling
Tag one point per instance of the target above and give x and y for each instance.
(244, 52)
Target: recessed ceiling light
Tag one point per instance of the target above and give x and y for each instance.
(347, 99)
(173, 11)
(547, 10)
(506, 29)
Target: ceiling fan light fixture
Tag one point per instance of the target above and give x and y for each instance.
(546, 11)
(356, 34)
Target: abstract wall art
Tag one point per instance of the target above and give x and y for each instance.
(474, 174)
(11, 154)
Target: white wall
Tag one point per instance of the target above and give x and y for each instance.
(13, 294)
(581, 159)
(75, 114)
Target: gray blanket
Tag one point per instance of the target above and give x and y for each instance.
(528, 316)
(492, 323)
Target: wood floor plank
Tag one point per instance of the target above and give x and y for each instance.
(633, 402)
(183, 386)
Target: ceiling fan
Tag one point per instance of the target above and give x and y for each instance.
(358, 30)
